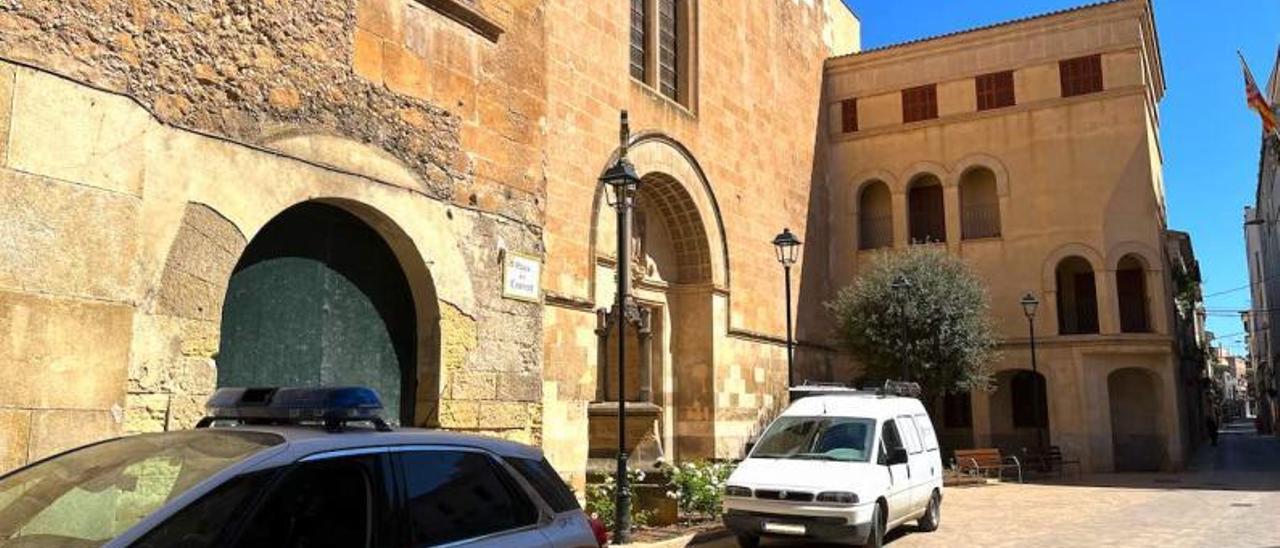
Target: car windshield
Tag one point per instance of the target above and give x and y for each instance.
(94, 494)
(817, 438)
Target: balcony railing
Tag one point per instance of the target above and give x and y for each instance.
(875, 231)
(980, 221)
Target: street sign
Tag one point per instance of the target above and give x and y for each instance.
(521, 277)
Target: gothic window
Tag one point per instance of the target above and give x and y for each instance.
(662, 46)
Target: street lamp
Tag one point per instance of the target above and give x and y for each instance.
(900, 287)
(788, 247)
(621, 182)
(1029, 304)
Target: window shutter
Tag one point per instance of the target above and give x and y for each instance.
(1081, 75)
(668, 49)
(995, 90)
(637, 39)
(849, 115)
(919, 103)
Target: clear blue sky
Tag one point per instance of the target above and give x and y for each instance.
(1210, 139)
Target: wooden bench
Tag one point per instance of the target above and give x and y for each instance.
(1052, 459)
(983, 461)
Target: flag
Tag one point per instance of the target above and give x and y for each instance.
(1258, 102)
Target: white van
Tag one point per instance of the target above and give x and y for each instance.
(842, 465)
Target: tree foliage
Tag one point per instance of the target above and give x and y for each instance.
(940, 324)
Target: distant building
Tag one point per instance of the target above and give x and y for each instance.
(1262, 244)
(1031, 149)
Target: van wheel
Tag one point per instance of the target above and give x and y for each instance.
(748, 541)
(932, 515)
(875, 539)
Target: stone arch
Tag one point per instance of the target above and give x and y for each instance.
(335, 151)
(1138, 250)
(1135, 399)
(393, 308)
(1050, 264)
(983, 161)
(916, 170)
(860, 181)
(662, 193)
(657, 153)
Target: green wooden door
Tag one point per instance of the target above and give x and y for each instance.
(319, 299)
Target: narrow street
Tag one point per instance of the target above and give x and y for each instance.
(1229, 497)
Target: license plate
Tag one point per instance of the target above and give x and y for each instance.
(783, 528)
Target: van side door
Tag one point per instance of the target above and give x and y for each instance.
(932, 454)
(899, 492)
(918, 466)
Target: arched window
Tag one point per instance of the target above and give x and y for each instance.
(1131, 291)
(1077, 297)
(875, 216)
(926, 214)
(979, 205)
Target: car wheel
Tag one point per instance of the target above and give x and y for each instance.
(748, 541)
(932, 515)
(875, 539)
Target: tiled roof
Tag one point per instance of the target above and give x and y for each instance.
(982, 28)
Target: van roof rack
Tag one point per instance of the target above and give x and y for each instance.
(822, 388)
(902, 389)
(332, 407)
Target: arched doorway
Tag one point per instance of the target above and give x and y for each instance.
(1019, 411)
(1131, 292)
(319, 298)
(1077, 297)
(926, 213)
(671, 269)
(1136, 441)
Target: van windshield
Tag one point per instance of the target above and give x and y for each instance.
(843, 439)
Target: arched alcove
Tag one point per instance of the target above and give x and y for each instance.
(875, 216)
(1077, 297)
(979, 204)
(926, 213)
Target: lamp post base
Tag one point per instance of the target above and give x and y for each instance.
(622, 503)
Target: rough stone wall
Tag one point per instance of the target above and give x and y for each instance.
(121, 224)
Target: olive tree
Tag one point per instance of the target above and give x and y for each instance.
(939, 324)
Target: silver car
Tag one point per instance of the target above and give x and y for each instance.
(258, 484)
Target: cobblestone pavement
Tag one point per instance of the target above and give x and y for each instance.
(1229, 497)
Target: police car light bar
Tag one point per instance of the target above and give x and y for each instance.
(333, 407)
(901, 388)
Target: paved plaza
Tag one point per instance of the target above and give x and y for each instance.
(1229, 497)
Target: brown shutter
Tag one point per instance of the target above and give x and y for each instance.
(1081, 75)
(919, 103)
(668, 51)
(849, 115)
(994, 90)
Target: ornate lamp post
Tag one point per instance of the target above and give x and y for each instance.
(900, 287)
(1029, 304)
(621, 182)
(788, 248)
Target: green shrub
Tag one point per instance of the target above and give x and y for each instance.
(600, 501)
(698, 488)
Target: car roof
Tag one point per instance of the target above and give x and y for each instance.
(868, 405)
(305, 439)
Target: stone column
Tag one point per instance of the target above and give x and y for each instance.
(603, 319)
(646, 354)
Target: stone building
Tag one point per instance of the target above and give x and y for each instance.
(226, 193)
(1262, 244)
(1031, 150)
(209, 193)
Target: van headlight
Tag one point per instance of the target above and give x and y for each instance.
(838, 497)
(737, 491)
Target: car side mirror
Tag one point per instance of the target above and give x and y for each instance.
(897, 456)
